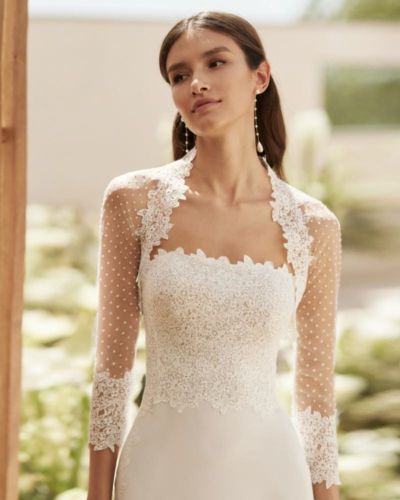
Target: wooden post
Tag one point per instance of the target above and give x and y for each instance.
(13, 38)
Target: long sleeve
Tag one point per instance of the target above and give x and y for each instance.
(118, 316)
(313, 403)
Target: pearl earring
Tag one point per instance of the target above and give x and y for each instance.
(260, 148)
(186, 137)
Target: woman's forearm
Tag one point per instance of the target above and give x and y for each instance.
(101, 473)
(322, 493)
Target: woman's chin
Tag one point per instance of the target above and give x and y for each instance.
(211, 127)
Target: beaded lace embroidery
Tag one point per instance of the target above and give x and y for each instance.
(213, 328)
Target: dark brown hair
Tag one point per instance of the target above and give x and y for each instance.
(271, 125)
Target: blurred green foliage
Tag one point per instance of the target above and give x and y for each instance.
(369, 10)
(368, 349)
(353, 10)
(52, 441)
(58, 352)
(60, 306)
(362, 95)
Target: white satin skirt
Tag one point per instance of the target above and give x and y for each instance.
(202, 454)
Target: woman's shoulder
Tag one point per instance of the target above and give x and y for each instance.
(321, 221)
(138, 181)
(312, 207)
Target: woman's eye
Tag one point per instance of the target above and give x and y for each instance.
(177, 78)
(217, 60)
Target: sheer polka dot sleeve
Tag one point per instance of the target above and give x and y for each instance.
(118, 316)
(314, 405)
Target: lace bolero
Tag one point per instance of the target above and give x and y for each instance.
(135, 215)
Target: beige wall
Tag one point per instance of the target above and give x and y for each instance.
(98, 107)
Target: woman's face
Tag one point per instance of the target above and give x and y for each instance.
(221, 75)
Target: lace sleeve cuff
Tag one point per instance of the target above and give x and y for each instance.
(318, 436)
(109, 410)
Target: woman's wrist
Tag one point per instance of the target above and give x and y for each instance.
(321, 492)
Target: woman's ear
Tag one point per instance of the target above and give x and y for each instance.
(263, 75)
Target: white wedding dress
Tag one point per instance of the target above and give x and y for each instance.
(210, 426)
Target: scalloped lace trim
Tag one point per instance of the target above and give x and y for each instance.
(294, 228)
(318, 437)
(247, 260)
(165, 196)
(262, 402)
(109, 410)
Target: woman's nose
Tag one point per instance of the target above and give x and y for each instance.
(198, 85)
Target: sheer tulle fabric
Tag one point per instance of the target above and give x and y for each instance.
(213, 330)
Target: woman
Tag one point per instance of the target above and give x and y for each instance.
(225, 261)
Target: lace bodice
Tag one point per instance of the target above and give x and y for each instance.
(214, 327)
(209, 341)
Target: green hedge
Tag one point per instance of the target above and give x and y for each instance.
(362, 95)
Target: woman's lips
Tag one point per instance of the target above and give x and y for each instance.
(206, 106)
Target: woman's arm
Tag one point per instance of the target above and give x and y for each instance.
(314, 405)
(117, 327)
(101, 473)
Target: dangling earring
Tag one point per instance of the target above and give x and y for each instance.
(260, 148)
(186, 139)
(186, 136)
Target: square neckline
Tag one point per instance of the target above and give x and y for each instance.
(186, 165)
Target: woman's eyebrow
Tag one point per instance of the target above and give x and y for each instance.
(209, 52)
